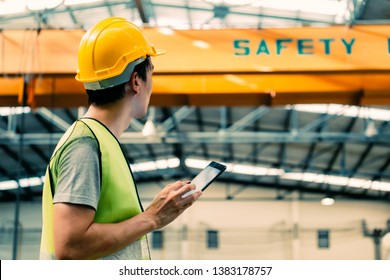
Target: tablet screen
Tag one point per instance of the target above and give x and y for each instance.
(205, 177)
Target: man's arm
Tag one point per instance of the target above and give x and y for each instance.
(76, 236)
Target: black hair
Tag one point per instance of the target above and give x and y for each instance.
(143, 67)
(112, 94)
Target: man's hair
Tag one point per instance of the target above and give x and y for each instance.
(112, 94)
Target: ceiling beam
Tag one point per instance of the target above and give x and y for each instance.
(18, 157)
(340, 147)
(242, 137)
(142, 11)
(200, 125)
(72, 15)
(248, 119)
(172, 120)
(52, 118)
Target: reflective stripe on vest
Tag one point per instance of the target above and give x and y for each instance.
(118, 194)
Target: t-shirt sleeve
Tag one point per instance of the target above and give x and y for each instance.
(78, 180)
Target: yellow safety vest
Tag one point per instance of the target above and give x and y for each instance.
(118, 200)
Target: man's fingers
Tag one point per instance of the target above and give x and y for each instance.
(179, 191)
(178, 185)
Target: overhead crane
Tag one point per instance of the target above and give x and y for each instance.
(214, 67)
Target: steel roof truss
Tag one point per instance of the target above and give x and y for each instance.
(248, 119)
(53, 118)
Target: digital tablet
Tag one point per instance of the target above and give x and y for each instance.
(211, 172)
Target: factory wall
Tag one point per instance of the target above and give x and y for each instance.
(253, 225)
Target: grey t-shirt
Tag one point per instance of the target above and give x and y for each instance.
(78, 179)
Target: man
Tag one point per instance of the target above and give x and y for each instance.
(91, 207)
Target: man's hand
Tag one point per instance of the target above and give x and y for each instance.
(169, 204)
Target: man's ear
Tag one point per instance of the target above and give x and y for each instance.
(133, 82)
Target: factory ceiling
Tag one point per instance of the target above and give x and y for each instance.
(340, 149)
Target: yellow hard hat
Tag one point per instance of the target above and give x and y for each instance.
(109, 51)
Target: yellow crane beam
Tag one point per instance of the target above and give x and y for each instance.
(231, 67)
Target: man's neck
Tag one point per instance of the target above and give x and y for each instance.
(113, 116)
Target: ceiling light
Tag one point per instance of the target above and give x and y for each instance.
(237, 168)
(24, 183)
(7, 111)
(79, 2)
(337, 180)
(296, 176)
(344, 110)
(196, 163)
(39, 5)
(370, 129)
(12, 7)
(326, 7)
(230, 2)
(149, 128)
(155, 165)
(327, 201)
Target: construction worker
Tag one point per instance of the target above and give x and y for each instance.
(91, 208)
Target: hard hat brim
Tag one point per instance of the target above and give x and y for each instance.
(156, 52)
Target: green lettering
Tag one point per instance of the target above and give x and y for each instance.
(304, 46)
(388, 45)
(243, 46)
(262, 47)
(327, 45)
(280, 46)
(348, 45)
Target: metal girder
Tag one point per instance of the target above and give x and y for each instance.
(200, 125)
(254, 14)
(136, 125)
(187, 131)
(142, 11)
(176, 118)
(173, 130)
(243, 137)
(320, 121)
(53, 118)
(72, 15)
(247, 120)
(27, 166)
